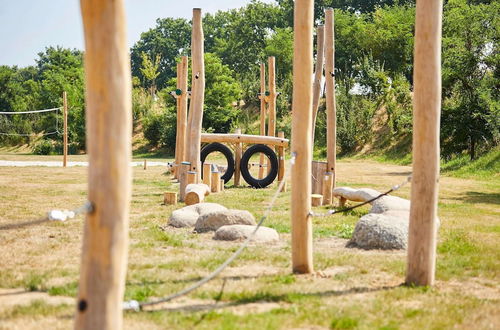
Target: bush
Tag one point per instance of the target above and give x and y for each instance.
(160, 129)
(43, 147)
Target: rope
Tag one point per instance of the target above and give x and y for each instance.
(330, 212)
(27, 112)
(134, 305)
(53, 215)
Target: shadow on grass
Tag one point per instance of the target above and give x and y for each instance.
(473, 197)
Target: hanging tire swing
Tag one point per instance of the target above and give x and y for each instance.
(245, 168)
(218, 147)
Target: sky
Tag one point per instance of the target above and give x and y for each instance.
(28, 26)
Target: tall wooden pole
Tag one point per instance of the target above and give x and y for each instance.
(178, 147)
(318, 74)
(302, 261)
(238, 149)
(182, 103)
(272, 96)
(331, 111)
(109, 129)
(65, 131)
(263, 99)
(197, 94)
(426, 121)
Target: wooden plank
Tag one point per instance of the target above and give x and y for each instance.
(243, 138)
(331, 112)
(318, 74)
(302, 258)
(197, 93)
(426, 118)
(109, 139)
(65, 129)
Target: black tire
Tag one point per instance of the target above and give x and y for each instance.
(245, 172)
(218, 147)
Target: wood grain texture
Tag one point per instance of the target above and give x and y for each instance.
(243, 138)
(182, 103)
(238, 151)
(331, 111)
(318, 74)
(109, 129)
(302, 258)
(426, 120)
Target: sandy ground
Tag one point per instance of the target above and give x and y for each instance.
(47, 163)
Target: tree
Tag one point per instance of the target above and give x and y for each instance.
(470, 77)
(150, 71)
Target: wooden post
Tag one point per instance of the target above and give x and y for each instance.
(190, 177)
(183, 169)
(426, 120)
(281, 158)
(197, 93)
(109, 126)
(271, 131)
(195, 193)
(207, 170)
(145, 164)
(316, 200)
(170, 198)
(331, 112)
(222, 183)
(182, 103)
(318, 74)
(65, 133)
(302, 259)
(263, 99)
(237, 160)
(327, 188)
(215, 187)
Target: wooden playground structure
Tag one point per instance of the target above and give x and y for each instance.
(109, 126)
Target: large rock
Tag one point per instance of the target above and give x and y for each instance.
(187, 216)
(390, 203)
(242, 232)
(215, 220)
(381, 231)
(356, 195)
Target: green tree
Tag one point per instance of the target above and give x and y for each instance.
(470, 118)
(150, 71)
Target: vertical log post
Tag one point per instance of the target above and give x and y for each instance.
(271, 131)
(331, 112)
(281, 158)
(426, 120)
(215, 187)
(190, 177)
(183, 169)
(318, 74)
(65, 132)
(327, 188)
(182, 110)
(178, 147)
(302, 259)
(263, 99)
(109, 127)
(207, 170)
(237, 160)
(197, 93)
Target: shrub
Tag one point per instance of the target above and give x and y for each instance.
(43, 147)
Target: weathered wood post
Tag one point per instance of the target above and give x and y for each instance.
(281, 158)
(263, 102)
(197, 93)
(207, 170)
(272, 103)
(426, 120)
(182, 103)
(331, 112)
(238, 150)
(302, 259)
(109, 134)
(65, 131)
(318, 74)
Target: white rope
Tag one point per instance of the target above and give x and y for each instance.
(27, 112)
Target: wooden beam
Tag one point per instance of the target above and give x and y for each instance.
(318, 74)
(331, 111)
(197, 93)
(109, 136)
(426, 120)
(65, 129)
(243, 138)
(302, 258)
(238, 150)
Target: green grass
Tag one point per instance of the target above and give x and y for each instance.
(484, 167)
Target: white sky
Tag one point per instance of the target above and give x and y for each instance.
(28, 26)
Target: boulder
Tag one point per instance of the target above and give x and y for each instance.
(187, 216)
(242, 232)
(217, 219)
(390, 203)
(381, 231)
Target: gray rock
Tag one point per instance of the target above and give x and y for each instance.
(381, 231)
(214, 220)
(357, 195)
(242, 232)
(187, 216)
(390, 203)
